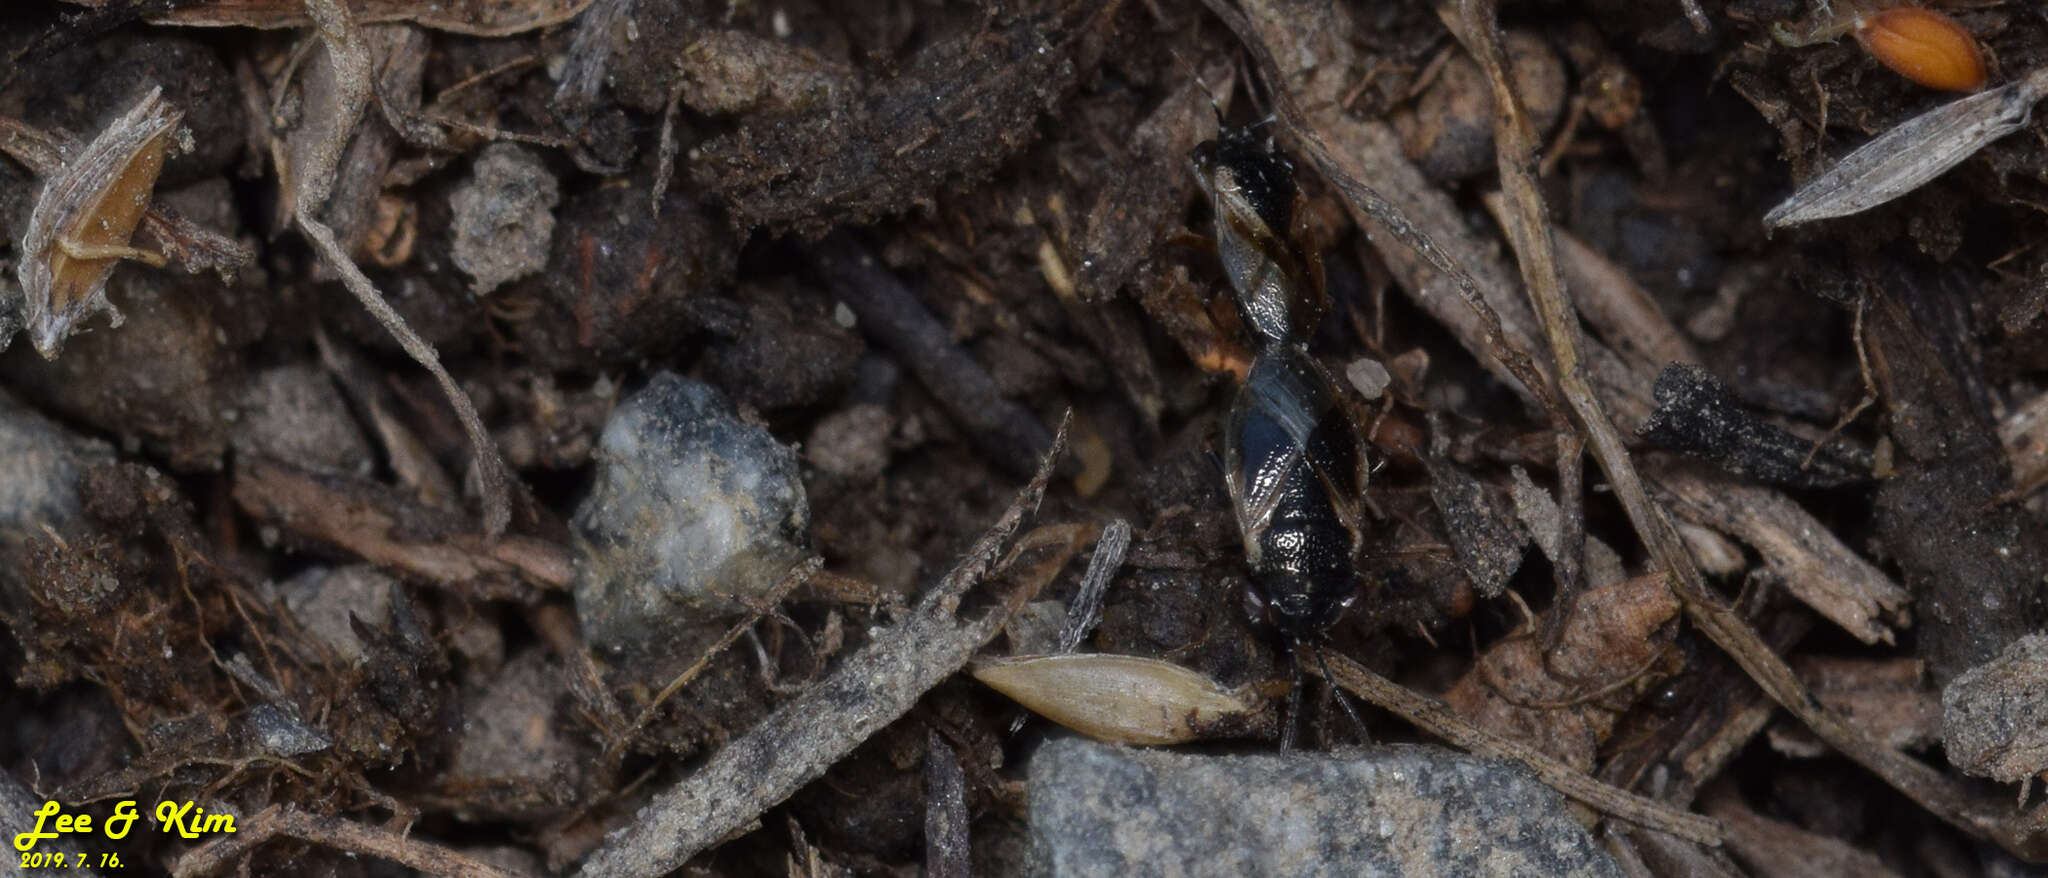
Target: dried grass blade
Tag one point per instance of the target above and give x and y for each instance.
(351, 59)
(1916, 151)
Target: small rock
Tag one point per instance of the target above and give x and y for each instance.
(295, 414)
(1449, 133)
(1368, 377)
(280, 733)
(692, 508)
(1995, 715)
(40, 465)
(1098, 809)
(513, 759)
(321, 599)
(504, 217)
(852, 442)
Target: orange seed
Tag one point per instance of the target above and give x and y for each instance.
(1924, 46)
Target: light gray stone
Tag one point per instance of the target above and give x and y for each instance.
(1100, 809)
(1995, 715)
(693, 512)
(504, 215)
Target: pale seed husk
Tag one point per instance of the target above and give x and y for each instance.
(82, 222)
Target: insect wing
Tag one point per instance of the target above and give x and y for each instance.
(1287, 416)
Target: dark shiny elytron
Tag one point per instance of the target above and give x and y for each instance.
(1291, 459)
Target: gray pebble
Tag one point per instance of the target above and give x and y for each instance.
(504, 216)
(1995, 715)
(852, 442)
(1100, 809)
(280, 733)
(295, 414)
(321, 599)
(1368, 377)
(691, 509)
(40, 464)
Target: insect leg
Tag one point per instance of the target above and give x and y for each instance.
(1293, 715)
(1323, 664)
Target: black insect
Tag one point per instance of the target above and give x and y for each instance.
(1292, 464)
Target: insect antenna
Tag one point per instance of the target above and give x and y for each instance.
(1207, 89)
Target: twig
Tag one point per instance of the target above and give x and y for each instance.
(287, 821)
(665, 151)
(1010, 433)
(1087, 607)
(1568, 566)
(1619, 309)
(1814, 565)
(1432, 717)
(371, 521)
(802, 738)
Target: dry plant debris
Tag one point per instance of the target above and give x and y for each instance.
(300, 539)
(1912, 153)
(870, 689)
(83, 221)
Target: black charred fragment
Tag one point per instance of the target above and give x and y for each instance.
(961, 105)
(1481, 526)
(1698, 415)
(946, 854)
(1973, 562)
(402, 665)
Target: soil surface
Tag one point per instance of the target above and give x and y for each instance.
(248, 553)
